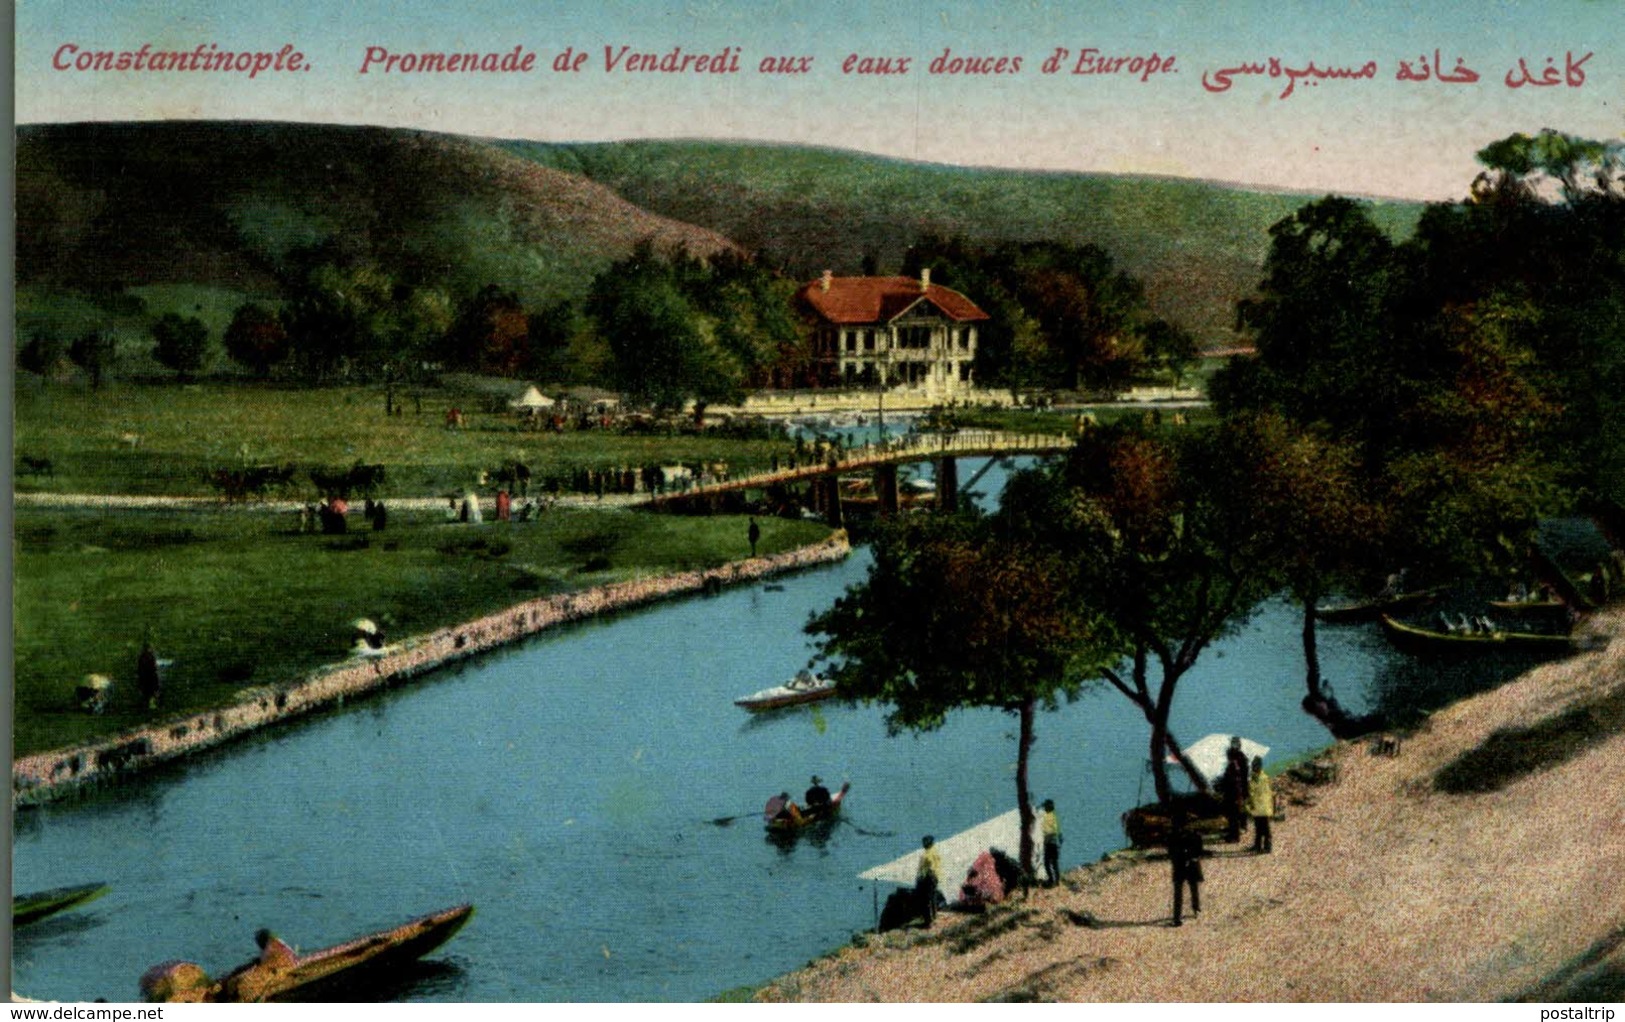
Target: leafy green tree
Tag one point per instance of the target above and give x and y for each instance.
(256, 338)
(94, 353)
(956, 614)
(666, 348)
(180, 343)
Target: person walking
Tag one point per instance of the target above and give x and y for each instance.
(927, 879)
(1184, 856)
(1233, 789)
(1261, 807)
(1050, 826)
(755, 533)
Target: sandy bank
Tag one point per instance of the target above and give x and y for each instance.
(45, 776)
(1381, 888)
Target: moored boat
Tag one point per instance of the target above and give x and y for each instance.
(1370, 610)
(1424, 640)
(805, 687)
(29, 908)
(313, 976)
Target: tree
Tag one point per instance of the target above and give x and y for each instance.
(180, 343)
(93, 352)
(256, 338)
(491, 333)
(954, 614)
(1164, 542)
(666, 348)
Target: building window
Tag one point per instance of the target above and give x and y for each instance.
(868, 340)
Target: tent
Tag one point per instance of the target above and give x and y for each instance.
(958, 852)
(532, 400)
(1208, 754)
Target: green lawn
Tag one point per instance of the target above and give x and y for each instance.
(164, 439)
(240, 598)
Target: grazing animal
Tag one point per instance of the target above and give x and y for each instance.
(130, 440)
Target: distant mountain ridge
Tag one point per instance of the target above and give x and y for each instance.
(103, 206)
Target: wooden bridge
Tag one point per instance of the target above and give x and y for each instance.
(826, 464)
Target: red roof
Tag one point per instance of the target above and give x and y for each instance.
(883, 299)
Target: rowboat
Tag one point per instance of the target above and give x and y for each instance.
(805, 687)
(805, 818)
(1530, 607)
(1370, 610)
(313, 976)
(1423, 640)
(29, 908)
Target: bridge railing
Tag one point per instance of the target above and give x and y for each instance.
(910, 447)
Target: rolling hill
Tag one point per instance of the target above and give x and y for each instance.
(222, 209)
(101, 207)
(1197, 245)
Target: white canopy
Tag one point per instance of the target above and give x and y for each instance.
(958, 852)
(1208, 753)
(531, 398)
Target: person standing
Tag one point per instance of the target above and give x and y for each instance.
(755, 533)
(1050, 827)
(927, 879)
(504, 505)
(147, 681)
(1233, 789)
(1184, 855)
(1261, 807)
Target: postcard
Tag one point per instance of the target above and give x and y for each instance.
(705, 500)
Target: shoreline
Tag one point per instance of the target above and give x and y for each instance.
(1383, 886)
(45, 777)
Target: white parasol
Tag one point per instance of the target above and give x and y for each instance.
(1208, 754)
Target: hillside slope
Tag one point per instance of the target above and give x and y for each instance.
(1197, 245)
(225, 204)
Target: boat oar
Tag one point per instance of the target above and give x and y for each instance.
(724, 821)
(865, 833)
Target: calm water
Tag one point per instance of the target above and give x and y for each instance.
(568, 786)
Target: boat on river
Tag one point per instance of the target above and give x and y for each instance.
(313, 976)
(1370, 610)
(30, 908)
(805, 687)
(802, 818)
(1414, 639)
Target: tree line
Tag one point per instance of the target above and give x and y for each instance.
(1415, 405)
(666, 328)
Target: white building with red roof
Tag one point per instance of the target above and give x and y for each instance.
(904, 332)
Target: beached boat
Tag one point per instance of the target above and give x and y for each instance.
(805, 687)
(313, 976)
(1370, 610)
(1423, 640)
(29, 908)
(804, 818)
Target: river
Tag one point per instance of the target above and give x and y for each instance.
(568, 787)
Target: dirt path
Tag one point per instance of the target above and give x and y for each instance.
(1382, 889)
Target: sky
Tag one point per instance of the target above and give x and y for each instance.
(1371, 134)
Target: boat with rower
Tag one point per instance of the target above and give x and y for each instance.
(280, 974)
(805, 687)
(783, 818)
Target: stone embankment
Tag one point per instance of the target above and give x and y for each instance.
(47, 776)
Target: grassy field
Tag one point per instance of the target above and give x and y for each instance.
(238, 599)
(164, 439)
